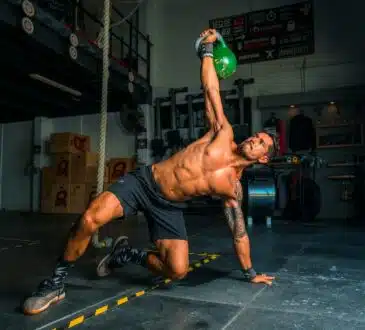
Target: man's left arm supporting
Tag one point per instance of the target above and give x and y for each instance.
(236, 222)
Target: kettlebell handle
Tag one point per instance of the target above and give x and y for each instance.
(200, 39)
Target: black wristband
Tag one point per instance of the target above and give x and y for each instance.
(206, 50)
(249, 274)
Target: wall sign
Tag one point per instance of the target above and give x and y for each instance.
(269, 34)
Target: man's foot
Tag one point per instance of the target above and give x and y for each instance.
(47, 294)
(104, 268)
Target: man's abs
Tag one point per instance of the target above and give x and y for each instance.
(190, 173)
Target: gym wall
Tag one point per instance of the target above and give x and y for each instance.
(121, 29)
(15, 152)
(118, 144)
(16, 140)
(332, 205)
(174, 26)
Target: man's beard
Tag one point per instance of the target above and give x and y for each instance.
(242, 149)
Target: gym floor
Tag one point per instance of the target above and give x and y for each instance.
(320, 279)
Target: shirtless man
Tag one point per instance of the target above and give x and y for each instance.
(211, 165)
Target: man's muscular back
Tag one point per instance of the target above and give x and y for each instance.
(208, 166)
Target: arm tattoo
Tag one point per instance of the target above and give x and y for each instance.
(234, 215)
(238, 192)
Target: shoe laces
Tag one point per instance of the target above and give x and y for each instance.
(44, 288)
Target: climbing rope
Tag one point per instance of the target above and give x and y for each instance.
(103, 118)
(101, 35)
(107, 242)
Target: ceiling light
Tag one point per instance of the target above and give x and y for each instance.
(55, 84)
(332, 107)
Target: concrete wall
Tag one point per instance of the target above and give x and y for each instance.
(175, 25)
(16, 141)
(118, 143)
(16, 145)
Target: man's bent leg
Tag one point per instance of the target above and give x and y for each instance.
(103, 209)
(168, 232)
(173, 258)
(167, 229)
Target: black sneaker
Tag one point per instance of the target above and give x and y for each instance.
(48, 293)
(103, 268)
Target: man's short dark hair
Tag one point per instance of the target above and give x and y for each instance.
(274, 148)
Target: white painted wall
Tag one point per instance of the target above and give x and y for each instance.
(15, 156)
(118, 144)
(174, 26)
(16, 141)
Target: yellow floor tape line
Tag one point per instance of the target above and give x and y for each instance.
(190, 253)
(123, 300)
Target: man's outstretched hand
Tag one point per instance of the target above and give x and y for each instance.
(263, 278)
(210, 36)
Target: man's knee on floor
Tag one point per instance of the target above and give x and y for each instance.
(178, 270)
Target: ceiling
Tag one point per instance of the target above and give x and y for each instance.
(23, 98)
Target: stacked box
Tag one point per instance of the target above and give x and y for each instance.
(119, 167)
(70, 183)
(73, 167)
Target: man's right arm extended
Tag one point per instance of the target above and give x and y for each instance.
(213, 102)
(210, 83)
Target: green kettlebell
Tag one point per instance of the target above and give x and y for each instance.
(225, 62)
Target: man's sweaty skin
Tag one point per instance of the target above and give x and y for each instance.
(213, 165)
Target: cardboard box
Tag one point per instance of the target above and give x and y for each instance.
(91, 174)
(62, 164)
(76, 168)
(119, 167)
(69, 142)
(47, 179)
(68, 198)
(82, 165)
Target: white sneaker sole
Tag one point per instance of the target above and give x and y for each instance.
(43, 308)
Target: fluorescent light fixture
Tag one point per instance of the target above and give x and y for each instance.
(55, 84)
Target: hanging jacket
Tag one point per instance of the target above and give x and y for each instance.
(302, 135)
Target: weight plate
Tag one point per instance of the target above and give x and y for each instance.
(73, 52)
(74, 40)
(27, 25)
(131, 76)
(28, 8)
(130, 87)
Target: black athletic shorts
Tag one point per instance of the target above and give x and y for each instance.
(138, 191)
